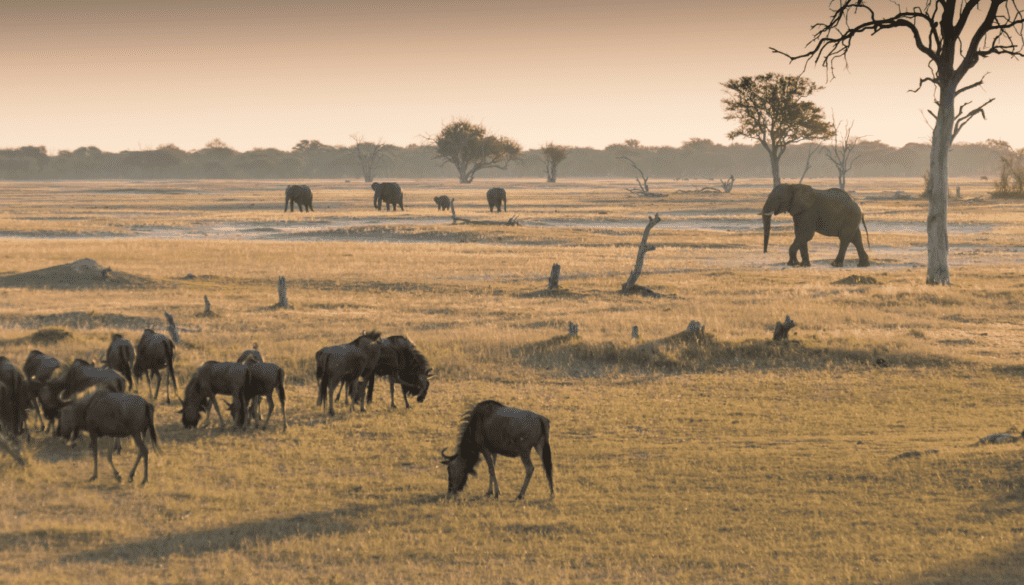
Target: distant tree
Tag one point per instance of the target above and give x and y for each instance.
(1011, 178)
(840, 150)
(370, 155)
(632, 143)
(954, 35)
(553, 155)
(469, 148)
(773, 110)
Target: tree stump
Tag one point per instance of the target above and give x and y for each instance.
(282, 293)
(208, 310)
(574, 329)
(172, 328)
(782, 329)
(635, 335)
(553, 279)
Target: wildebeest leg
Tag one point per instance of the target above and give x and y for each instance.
(529, 473)
(491, 460)
(159, 378)
(392, 381)
(94, 443)
(144, 456)
(270, 410)
(110, 458)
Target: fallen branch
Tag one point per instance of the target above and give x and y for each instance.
(512, 221)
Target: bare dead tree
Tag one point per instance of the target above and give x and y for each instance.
(954, 35)
(840, 152)
(644, 190)
(812, 149)
(630, 286)
(370, 155)
(282, 293)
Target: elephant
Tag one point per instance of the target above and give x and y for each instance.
(443, 202)
(300, 195)
(495, 198)
(389, 194)
(830, 213)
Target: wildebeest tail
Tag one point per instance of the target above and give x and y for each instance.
(546, 455)
(280, 386)
(321, 370)
(150, 426)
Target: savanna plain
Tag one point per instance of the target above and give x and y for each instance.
(722, 458)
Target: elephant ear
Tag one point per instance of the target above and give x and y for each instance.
(803, 199)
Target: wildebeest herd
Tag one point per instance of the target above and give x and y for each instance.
(68, 399)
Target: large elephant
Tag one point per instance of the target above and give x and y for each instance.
(300, 195)
(443, 202)
(495, 199)
(830, 213)
(387, 194)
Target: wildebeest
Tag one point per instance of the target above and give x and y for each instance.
(40, 366)
(154, 352)
(120, 357)
(16, 399)
(495, 199)
(494, 429)
(443, 202)
(350, 364)
(401, 362)
(79, 375)
(226, 378)
(388, 195)
(300, 195)
(102, 413)
(265, 379)
(251, 356)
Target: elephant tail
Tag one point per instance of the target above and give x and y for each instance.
(867, 236)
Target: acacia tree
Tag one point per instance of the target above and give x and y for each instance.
(773, 110)
(370, 155)
(840, 151)
(469, 148)
(954, 35)
(553, 154)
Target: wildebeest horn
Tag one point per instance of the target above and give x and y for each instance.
(430, 372)
(446, 457)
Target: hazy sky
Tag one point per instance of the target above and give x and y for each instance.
(125, 75)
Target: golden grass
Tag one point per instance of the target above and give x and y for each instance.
(729, 459)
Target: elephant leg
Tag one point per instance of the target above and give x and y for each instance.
(806, 259)
(792, 253)
(861, 253)
(838, 262)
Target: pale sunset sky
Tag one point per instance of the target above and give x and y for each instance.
(129, 75)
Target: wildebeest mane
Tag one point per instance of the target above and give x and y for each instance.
(468, 449)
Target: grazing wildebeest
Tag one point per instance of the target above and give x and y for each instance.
(300, 195)
(443, 202)
(251, 356)
(102, 413)
(401, 362)
(494, 429)
(40, 366)
(78, 376)
(120, 357)
(350, 364)
(265, 379)
(154, 352)
(226, 378)
(388, 195)
(495, 199)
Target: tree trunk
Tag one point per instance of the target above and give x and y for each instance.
(776, 173)
(282, 293)
(553, 279)
(938, 236)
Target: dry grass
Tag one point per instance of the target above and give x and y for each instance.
(727, 459)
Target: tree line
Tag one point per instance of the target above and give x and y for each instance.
(696, 160)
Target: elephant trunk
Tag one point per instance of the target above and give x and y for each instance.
(767, 218)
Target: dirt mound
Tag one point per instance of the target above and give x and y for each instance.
(84, 273)
(857, 279)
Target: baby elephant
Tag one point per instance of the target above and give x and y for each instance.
(443, 202)
(496, 198)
